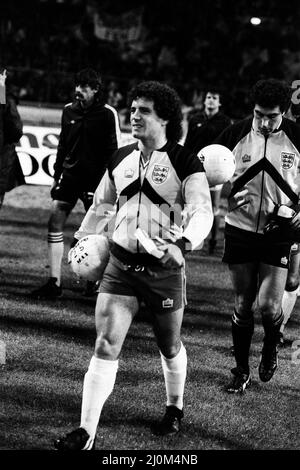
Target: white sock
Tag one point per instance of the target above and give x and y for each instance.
(288, 302)
(98, 384)
(56, 252)
(175, 374)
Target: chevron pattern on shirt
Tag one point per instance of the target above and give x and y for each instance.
(264, 165)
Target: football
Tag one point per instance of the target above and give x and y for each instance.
(89, 257)
(218, 162)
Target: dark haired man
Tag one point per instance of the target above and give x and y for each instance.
(11, 130)
(89, 136)
(267, 152)
(161, 188)
(203, 128)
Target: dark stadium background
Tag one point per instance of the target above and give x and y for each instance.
(190, 44)
(187, 43)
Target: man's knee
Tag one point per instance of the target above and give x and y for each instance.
(56, 224)
(59, 215)
(169, 349)
(292, 283)
(106, 348)
(244, 308)
(269, 308)
(243, 316)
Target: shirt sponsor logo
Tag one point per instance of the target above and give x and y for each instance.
(284, 260)
(287, 160)
(129, 173)
(246, 158)
(167, 303)
(160, 173)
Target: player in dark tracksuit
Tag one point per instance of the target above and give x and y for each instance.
(89, 136)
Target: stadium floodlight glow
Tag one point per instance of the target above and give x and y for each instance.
(255, 20)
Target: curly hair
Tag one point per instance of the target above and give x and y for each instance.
(167, 105)
(88, 77)
(214, 90)
(270, 93)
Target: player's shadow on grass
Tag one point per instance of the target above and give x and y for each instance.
(208, 295)
(209, 319)
(143, 421)
(43, 326)
(37, 223)
(84, 334)
(202, 258)
(204, 434)
(12, 255)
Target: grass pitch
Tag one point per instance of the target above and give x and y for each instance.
(49, 345)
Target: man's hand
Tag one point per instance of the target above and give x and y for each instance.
(238, 200)
(54, 183)
(2, 87)
(53, 186)
(295, 221)
(173, 257)
(3, 76)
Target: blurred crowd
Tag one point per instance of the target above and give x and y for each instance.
(44, 42)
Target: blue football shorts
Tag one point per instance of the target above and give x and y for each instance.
(242, 246)
(163, 290)
(70, 188)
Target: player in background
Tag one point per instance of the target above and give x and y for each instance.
(203, 128)
(267, 152)
(11, 130)
(89, 136)
(152, 181)
(292, 283)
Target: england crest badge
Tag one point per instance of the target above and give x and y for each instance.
(287, 160)
(160, 173)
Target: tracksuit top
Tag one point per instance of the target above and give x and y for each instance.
(87, 140)
(266, 166)
(203, 130)
(170, 198)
